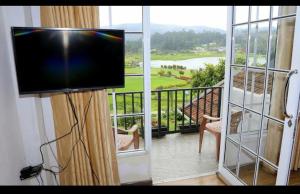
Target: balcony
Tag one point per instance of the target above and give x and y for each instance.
(176, 117)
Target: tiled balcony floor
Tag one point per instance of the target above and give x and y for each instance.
(176, 156)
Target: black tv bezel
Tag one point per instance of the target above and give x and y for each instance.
(67, 90)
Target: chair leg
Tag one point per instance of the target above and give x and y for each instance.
(136, 139)
(201, 133)
(218, 143)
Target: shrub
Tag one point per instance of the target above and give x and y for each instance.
(159, 88)
(210, 75)
(161, 73)
(169, 73)
(181, 72)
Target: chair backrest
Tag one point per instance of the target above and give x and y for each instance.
(235, 121)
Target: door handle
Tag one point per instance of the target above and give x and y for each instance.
(287, 82)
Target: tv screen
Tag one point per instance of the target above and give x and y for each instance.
(62, 59)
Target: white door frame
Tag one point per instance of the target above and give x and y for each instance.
(292, 106)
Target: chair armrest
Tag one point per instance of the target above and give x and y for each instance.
(211, 118)
(131, 130)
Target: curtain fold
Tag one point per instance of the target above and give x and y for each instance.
(284, 46)
(97, 132)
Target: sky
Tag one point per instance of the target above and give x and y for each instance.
(211, 16)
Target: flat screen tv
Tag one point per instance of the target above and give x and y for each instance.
(65, 59)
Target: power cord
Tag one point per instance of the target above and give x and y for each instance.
(61, 169)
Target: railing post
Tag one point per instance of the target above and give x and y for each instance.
(168, 109)
(191, 107)
(183, 102)
(159, 111)
(124, 103)
(142, 119)
(219, 101)
(204, 103)
(175, 129)
(197, 118)
(211, 101)
(132, 102)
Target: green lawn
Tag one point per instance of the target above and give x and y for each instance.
(136, 83)
(154, 71)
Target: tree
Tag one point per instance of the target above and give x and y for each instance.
(210, 75)
(181, 72)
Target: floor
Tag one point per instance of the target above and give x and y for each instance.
(176, 156)
(204, 180)
(265, 177)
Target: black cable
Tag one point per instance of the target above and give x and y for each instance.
(86, 108)
(53, 175)
(42, 179)
(71, 130)
(80, 137)
(37, 180)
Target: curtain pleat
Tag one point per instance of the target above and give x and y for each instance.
(97, 133)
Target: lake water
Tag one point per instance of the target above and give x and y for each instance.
(195, 63)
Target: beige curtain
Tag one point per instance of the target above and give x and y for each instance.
(296, 153)
(97, 133)
(285, 31)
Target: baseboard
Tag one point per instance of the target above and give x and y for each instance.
(139, 183)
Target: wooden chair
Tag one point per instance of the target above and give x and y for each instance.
(125, 138)
(215, 128)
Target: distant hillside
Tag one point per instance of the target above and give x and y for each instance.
(161, 28)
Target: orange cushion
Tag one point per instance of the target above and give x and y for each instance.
(214, 126)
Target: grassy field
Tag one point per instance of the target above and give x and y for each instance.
(154, 71)
(136, 83)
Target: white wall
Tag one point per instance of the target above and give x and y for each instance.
(26, 113)
(11, 143)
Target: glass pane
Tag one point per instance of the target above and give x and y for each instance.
(266, 174)
(237, 85)
(134, 54)
(283, 10)
(251, 130)
(258, 44)
(128, 18)
(274, 95)
(255, 89)
(234, 122)
(294, 177)
(132, 83)
(271, 140)
(124, 138)
(231, 156)
(247, 166)
(129, 99)
(282, 43)
(260, 12)
(240, 37)
(241, 14)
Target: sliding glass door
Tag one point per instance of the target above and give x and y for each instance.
(261, 94)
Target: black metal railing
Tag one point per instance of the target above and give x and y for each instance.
(173, 110)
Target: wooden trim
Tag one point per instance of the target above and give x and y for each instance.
(220, 176)
(139, 183)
